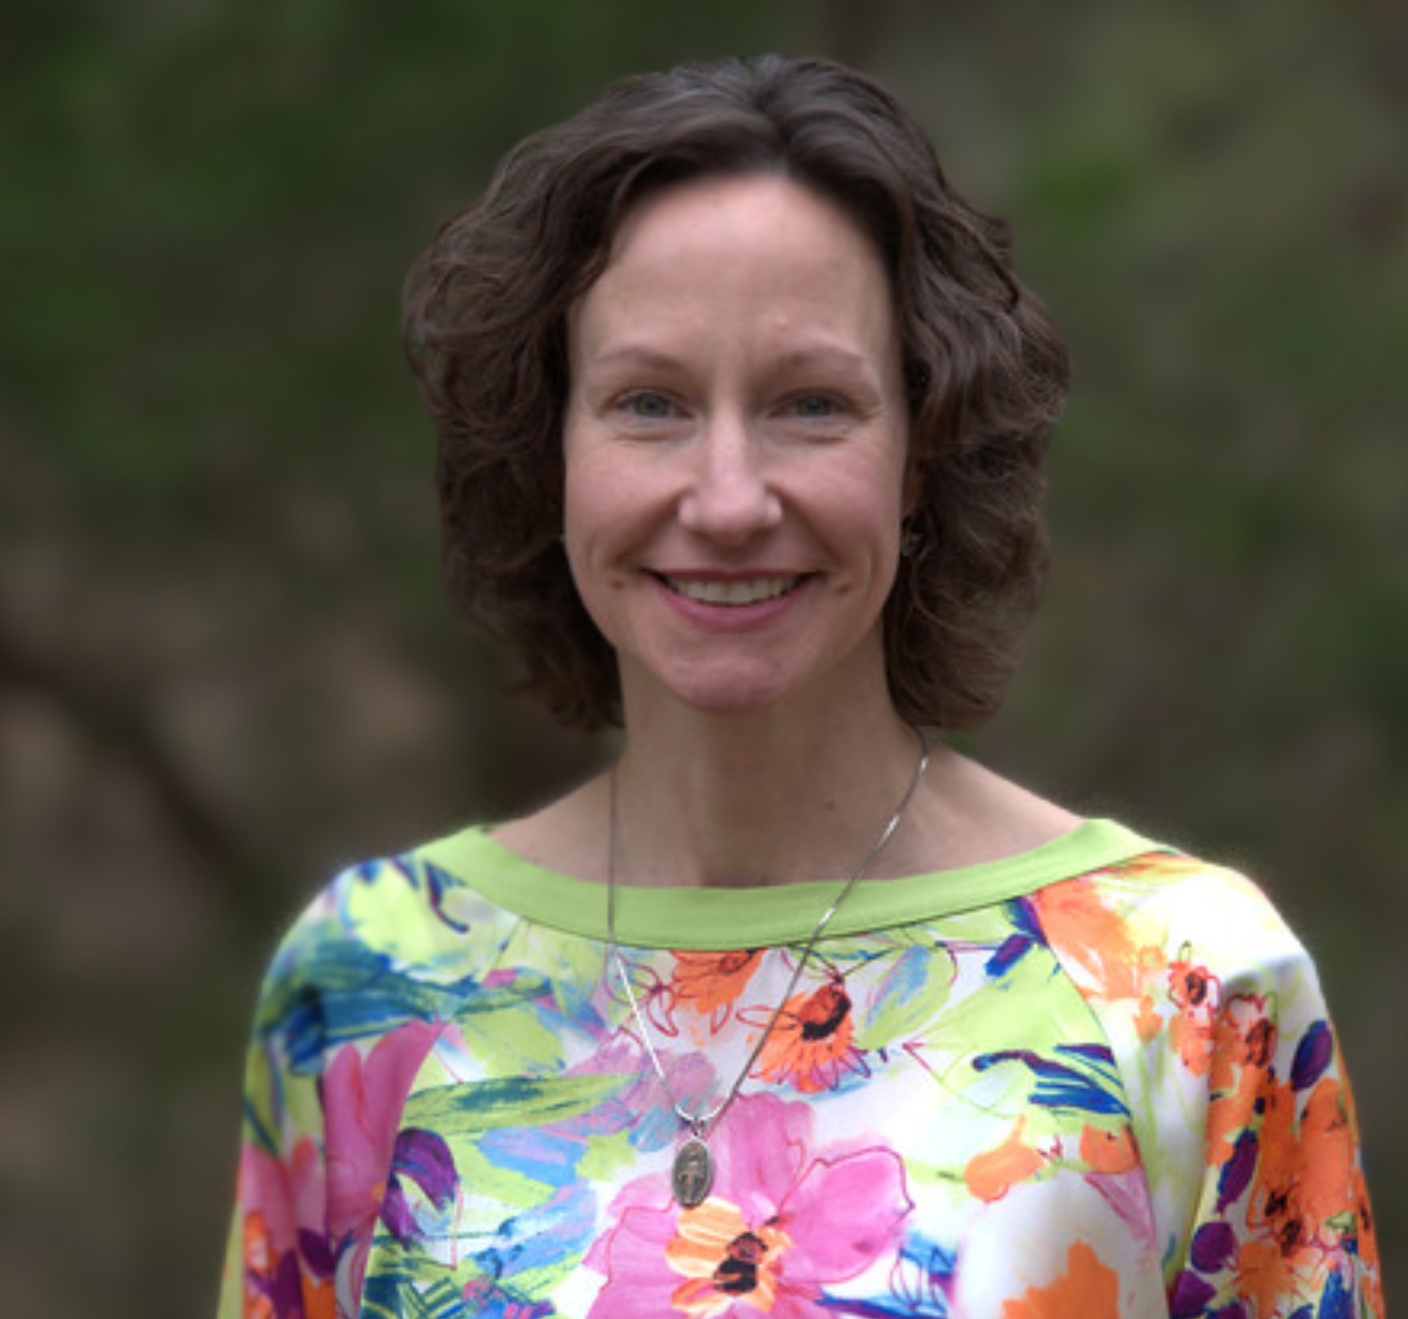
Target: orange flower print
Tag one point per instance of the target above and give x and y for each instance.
(1192, 987)
(992, 1174)
(710, 983)
(1088, 1288)
(319, 1298)
(1197, 994)
(1286, 1150)
(1095, 940)
(721, 1257)
(1304, 1199)
(1306, 1169)
(259, 1257)
(1228, 1116)
(1280, 1156)
(1110, 1152)
(810, 1046)
(1271, 1267)
(1244, 1043)
(1147, 1021)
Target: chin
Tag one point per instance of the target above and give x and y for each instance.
(728, 695)
(740, 685)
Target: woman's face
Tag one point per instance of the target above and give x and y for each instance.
(735, 441)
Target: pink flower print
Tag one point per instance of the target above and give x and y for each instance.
(288, 1264)
(288, 1193)
(784, 1222)
(363, 1099)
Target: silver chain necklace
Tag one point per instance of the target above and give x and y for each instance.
(693, 1172)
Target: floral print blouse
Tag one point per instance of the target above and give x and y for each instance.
(1093, 1080)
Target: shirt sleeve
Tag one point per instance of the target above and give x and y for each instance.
(339, 1036)
(1240, 1101)
(278, 1260)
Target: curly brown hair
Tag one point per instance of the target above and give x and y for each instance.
(485, 329)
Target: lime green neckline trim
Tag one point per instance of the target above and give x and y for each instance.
(700, 919)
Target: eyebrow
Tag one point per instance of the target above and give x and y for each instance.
(823, 355)
(637, 355)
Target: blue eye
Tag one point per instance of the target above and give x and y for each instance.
(815, 405)
(648, 405)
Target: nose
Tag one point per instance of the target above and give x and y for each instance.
(730, 497)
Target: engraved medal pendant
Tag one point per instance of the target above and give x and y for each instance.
(693, 1173)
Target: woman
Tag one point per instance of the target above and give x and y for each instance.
(793, 1011)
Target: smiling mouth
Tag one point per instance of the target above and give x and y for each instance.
(732, 593)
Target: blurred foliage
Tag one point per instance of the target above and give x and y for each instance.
(225, 666)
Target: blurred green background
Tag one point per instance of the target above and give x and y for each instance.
(225, 664)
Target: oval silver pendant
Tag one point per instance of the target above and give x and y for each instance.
(693, 1173)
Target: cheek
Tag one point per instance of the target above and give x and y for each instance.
(596, 525)
(867, 503)
(590, 502)
(613, 495)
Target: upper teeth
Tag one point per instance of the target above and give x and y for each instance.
(733, 593)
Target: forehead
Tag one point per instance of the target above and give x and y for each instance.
(743, 203)
(755, 246)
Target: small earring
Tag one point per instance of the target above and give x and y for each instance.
(911, 538)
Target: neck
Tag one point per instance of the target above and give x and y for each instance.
(770, 799)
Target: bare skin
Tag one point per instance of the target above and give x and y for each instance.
(963, 815)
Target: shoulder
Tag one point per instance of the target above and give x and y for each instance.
(381, 903)
(1165, 935)
(1181, 903)
(385, 939)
